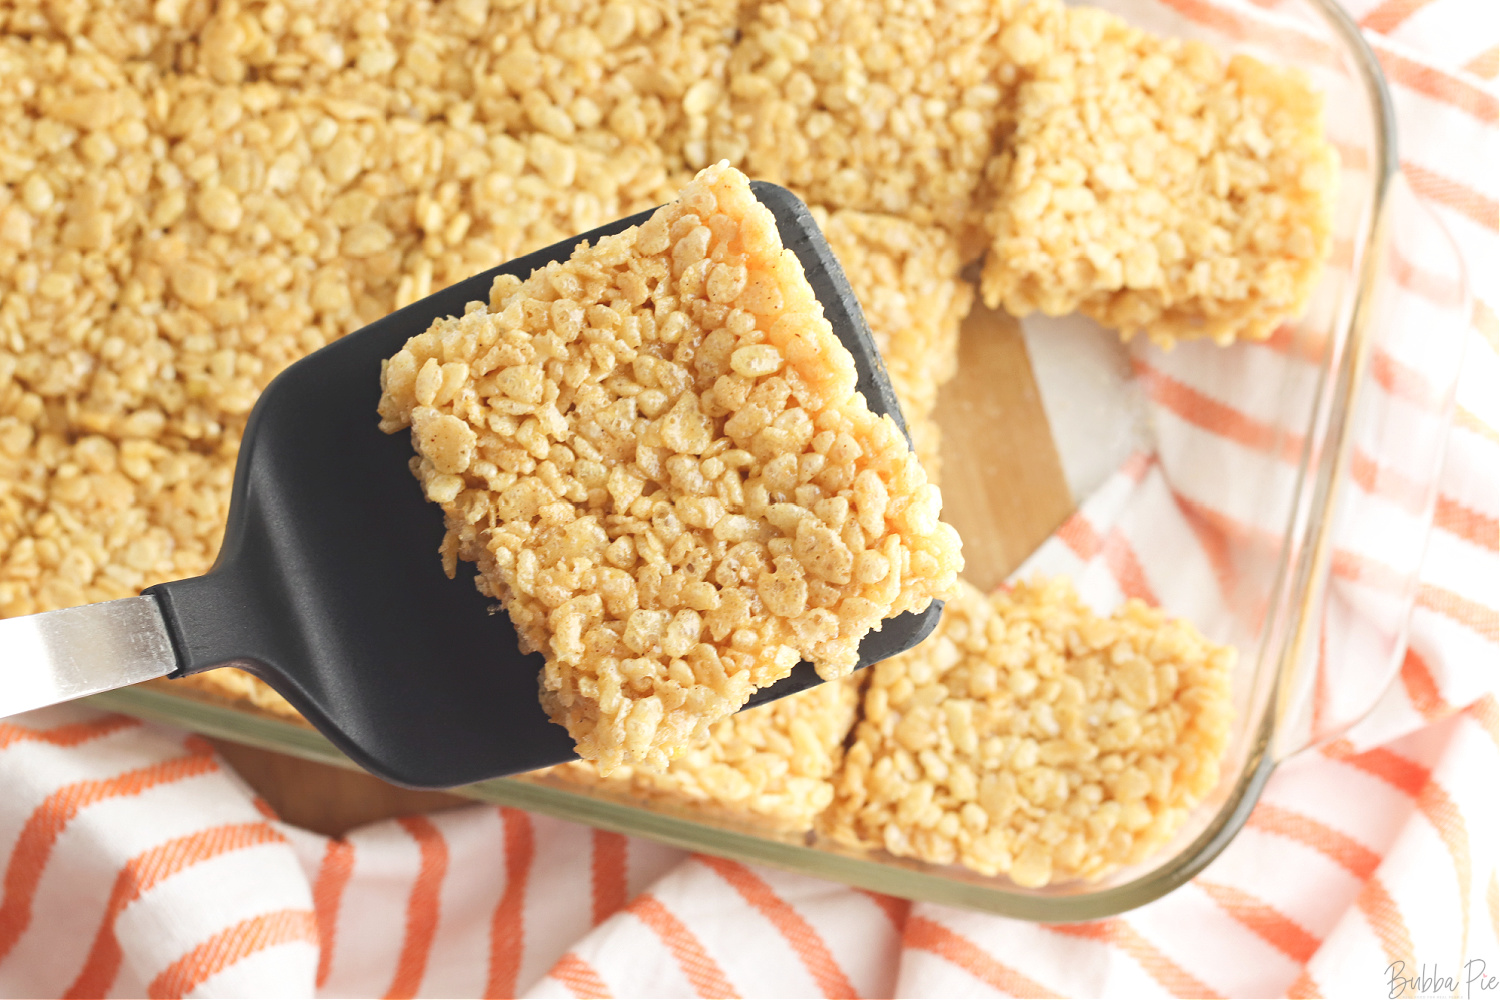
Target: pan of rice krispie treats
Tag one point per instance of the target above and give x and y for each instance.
(196, 193)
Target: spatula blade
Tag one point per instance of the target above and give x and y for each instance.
(329, 584)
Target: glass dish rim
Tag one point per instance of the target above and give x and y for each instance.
(1300, 583)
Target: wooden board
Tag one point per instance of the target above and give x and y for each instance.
(1003, 484)
(1003, 489)
(322, 798)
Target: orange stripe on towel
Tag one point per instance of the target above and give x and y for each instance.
(1385, 919)
(1343, 850)
(1079, 535)
(1480, 618)
(896, 910)
(579, 977)
(1177, 980)
(1388, 16)
(1399, 772)
(609, 882)
(508, 925)
(231, 945)
(1421, 687)
(1126, 568)
(1486, 65)
(1471, 525)
(1293, 45)
(927, 935)
(421, 907)
(1264, 921)
(34, 845)
(328, 892)
(801, 935)
(69, 735)
(1217, 417)
(143, 872)
(1439, 86)
(700, 969)
(1446, 191)
(1448, 820)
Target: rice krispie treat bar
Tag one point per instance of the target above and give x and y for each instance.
(1033, 738)
(772, 765)
(1155, 187)
(192, 196)
(881, 106)
(602, 74)
(195, 196)
(657, 457)
(906, 279)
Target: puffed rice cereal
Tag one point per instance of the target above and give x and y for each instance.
(771, 766)
(1154, 187)
(877, 105)
(905, 277)
(1031, 737)
(193, 196)
(656, 455)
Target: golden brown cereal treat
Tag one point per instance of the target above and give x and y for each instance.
(1156, 188)
(656, 454)
(627, 71)
(1032, 738)
(195, 195)
(906, 279)
(174, 232)
(90, 507)
(881, 106)
(772, 765)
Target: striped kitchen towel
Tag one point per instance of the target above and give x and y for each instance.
(135, 863)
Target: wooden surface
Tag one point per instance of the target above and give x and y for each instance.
(1003, 485)
(1003, 489)
(323, 798)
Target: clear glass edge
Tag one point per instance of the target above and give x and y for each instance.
(1301, 598)
(1332, 443)
(1282, 747)
(227, 722)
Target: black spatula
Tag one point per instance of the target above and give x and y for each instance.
(329, 586)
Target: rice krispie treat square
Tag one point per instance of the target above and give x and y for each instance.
(1156, 188)
(656, 455)
(881, 106)
(906, 279)
(196, 196)
(771, 766)
(1031, 737)
(622, 73)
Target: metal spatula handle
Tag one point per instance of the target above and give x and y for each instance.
(57, 656)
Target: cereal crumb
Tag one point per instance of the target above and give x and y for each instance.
(656, 455)
(1156, 188)
(1031, 737)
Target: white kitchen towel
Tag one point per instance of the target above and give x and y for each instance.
(135, 863)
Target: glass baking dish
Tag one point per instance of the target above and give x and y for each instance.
(1054, 404)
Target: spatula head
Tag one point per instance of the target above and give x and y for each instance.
(329, 585)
